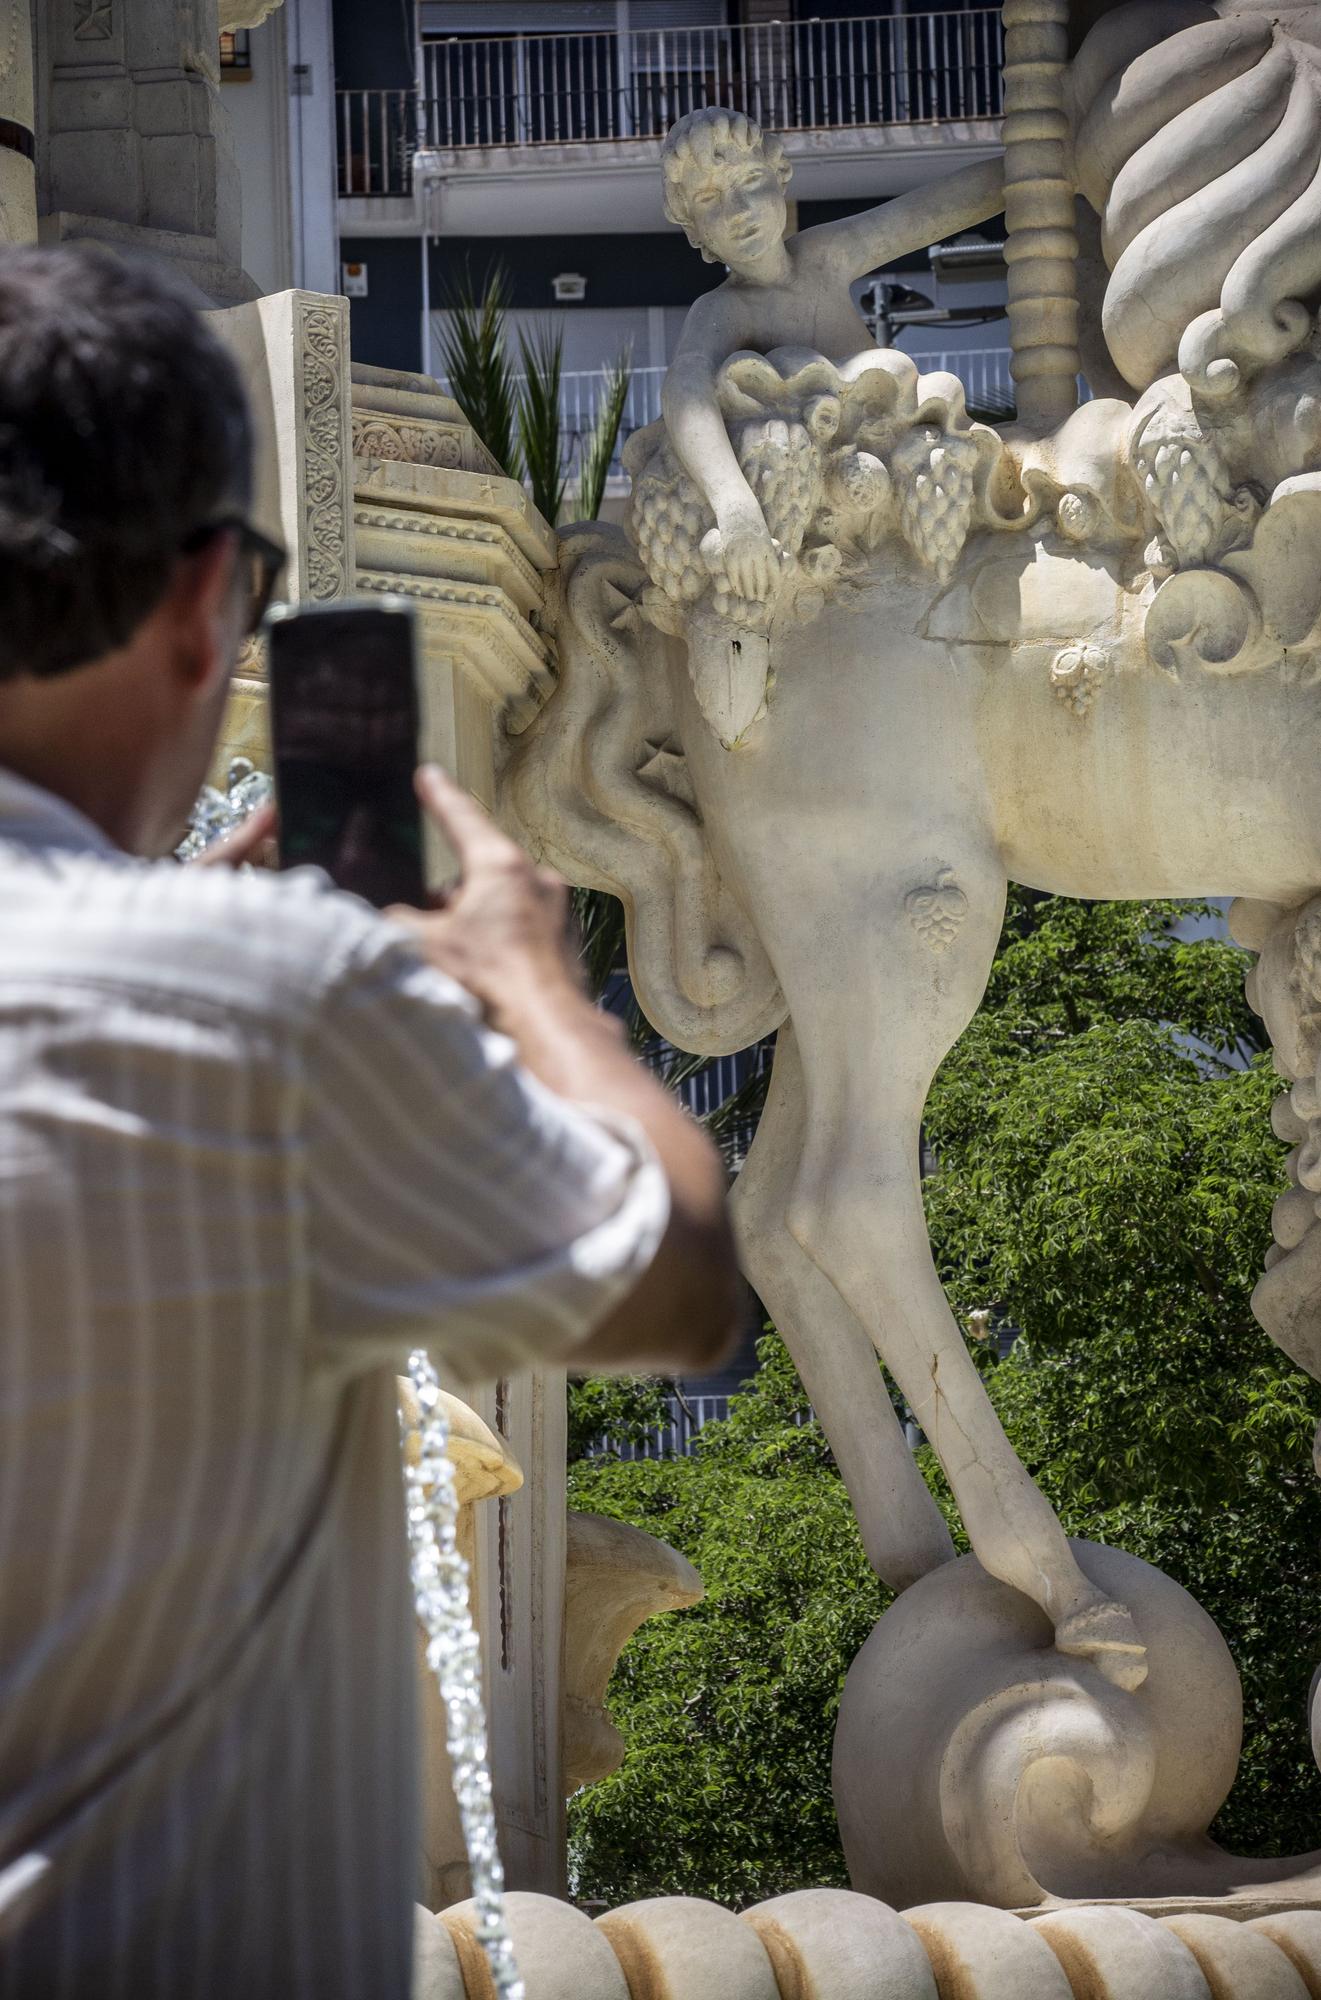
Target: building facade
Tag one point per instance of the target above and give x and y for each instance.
(526, 134)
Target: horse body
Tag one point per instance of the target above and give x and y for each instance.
(869, 832)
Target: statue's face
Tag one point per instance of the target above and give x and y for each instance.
(739, 211)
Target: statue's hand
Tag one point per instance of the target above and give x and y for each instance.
(741, 545)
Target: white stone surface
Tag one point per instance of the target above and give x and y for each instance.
(829, 1945)
(236, 14)
(1120, 1951)
(680, 1948)
(825, 1944)
(561, 1954)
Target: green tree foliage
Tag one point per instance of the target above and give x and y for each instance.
(728, 1708)
(1106, 1169)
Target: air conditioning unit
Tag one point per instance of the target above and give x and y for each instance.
(570, 288)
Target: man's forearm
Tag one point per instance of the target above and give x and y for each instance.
(683, 1312)
(580, 1053)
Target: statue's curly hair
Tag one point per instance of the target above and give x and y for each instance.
(711, 138)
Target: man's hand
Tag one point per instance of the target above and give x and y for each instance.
(502, 932)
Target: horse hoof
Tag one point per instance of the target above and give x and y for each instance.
(1105, 1635)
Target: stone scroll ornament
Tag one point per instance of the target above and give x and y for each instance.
(807, 734)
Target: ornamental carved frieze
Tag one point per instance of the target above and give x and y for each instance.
(325, 496)
(405, 443)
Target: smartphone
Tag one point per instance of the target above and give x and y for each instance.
(344, 731)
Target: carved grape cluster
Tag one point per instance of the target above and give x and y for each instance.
(1185, 484)
(937, 910)
(666, 520)
(933, 476)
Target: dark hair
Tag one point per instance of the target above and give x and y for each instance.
(124, 428)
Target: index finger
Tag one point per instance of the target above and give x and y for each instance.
(474, 836)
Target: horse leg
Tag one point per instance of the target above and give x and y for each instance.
(901, 1526)
(916, 957)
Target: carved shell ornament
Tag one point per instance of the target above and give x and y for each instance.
(1209, 320)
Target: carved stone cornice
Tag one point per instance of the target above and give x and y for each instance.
(479, 628)
(423, 544)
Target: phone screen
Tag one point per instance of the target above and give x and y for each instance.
(344, 724)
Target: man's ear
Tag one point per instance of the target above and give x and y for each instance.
(202, 610)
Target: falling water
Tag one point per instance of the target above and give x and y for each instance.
(440, 1574)
(440, 1591)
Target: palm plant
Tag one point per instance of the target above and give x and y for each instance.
(517, 417)
(539, 435)
(598, 450)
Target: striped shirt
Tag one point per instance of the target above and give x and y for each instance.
(251, 1150)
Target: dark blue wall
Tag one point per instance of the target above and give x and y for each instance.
(373, 44)
(649, 270)
(620, 271)
(386, 326)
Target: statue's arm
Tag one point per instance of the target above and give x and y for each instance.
(696, 426)
(861, 243)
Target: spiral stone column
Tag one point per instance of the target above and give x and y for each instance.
(18, 179)
(1042, 246)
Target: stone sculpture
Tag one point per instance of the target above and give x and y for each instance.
(855, 661)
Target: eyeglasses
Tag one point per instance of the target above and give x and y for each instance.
(261, 560)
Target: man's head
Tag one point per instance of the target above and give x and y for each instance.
(125, 471)
(724, 185)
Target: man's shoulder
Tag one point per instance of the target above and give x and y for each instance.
(222, 938)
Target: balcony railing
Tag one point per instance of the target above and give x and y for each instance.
(554, 90)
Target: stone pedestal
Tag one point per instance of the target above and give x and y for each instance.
(134, 146)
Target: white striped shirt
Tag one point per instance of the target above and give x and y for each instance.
(251, 1150)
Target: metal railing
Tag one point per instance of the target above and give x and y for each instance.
(688, 1418)
(565, 89)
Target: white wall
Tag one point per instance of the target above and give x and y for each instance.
(310, 43)
(257, 105)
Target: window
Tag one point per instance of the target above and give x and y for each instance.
(236, 52)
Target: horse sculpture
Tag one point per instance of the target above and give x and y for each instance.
(1082, 653)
